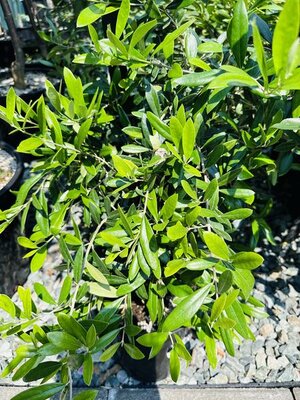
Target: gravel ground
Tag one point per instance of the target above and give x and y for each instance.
(273, 357)
(34, 81)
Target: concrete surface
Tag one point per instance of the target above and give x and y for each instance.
(296, 392)
(200, 394)
(7, 393)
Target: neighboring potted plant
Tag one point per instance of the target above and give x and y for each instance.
(161, 170)
(10, 172)
(19, 36)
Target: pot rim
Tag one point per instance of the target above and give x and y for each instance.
(11, 151)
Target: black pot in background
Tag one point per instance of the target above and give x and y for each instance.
(6, 197)
(146, 370)
(32, 96)
(30, 46)
(7, 52)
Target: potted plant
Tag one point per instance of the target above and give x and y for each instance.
(10, 171)
(19, 35)
(162, 169)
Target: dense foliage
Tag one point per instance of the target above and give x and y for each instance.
(145, 174)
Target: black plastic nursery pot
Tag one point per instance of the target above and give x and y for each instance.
(30, 95)
(7, 52)
(6, 196)
(145, 370)
(29, 45)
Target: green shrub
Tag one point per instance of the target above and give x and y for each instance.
(161, 158)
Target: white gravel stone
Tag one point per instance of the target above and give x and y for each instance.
(260, 358)
(219, 379)
(266, 330)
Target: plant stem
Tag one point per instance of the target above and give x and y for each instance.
(206, 179)
(88, 250)
(70, 384)
(18, 66)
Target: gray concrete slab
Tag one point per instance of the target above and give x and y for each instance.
(200, 394)
(8, 392)
(296, 392)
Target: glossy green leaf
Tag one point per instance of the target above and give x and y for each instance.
(134, 149)
(152, 204)
(186, 309)
(64, 340)
(89, 394)
(210, 47)
(7, 305)
(227, 338)
(141, 31)
(285, 33)
(102, 290)
(88, 368)
(130, 287)
(260, 54)
(65, 289)
(247, 260)
(72, 326)
(25, 242)
(191, 43)
(96, 274)
(225, 281)
(78, 264)
(43, 370)
(200, 264)
(10, 103)
(288, 124)
(170, 37)
(225, 323)
(177, 231)
(153, 339)
(25, 368)
(105, 340)
(91, 336)
(149, 247)
(231, 79)
(169, 206)
(181, 350)
(174, 266)
(238, 32)
(159, 126)
(41, 392)
(218, 307)
(43, 293)
(211, 351)
(25, 297)
(174, 365)
(244, 280)
(109, 352)
(236, 313)
(216, 245)
(239, 213)
(196, 79)
(92, 13)
(122, 18)
(153, 100)
(188, 139)
(28, 145)
(133, 351)
(211, 189)
(124, 167)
